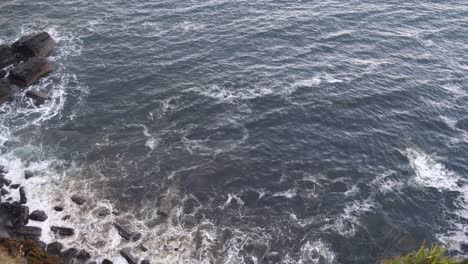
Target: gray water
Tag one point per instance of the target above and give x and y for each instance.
(287, 131)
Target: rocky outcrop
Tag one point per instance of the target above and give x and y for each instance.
(28, 72)
(34, 45)
(7, 56)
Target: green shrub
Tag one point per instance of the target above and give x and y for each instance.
(425, 255)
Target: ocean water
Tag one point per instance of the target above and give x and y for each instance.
(286, 131)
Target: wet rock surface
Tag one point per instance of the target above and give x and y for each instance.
(33, 45)
(78, 199)
(38, 215)
(28, 72)
(62, 231)
(127, 254)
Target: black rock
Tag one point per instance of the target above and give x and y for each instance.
(54, 248)
(58, 208)
(30, 71)
(7, 56)
(27, 173)
(38, 215)
(3, 169)
(36, 44)
(41, 244)
(83, 255)
(62, 231)
(5, 90)
(4, 192)
(127, 254)
(16, 213)
(7, 182)
(145, 261)
(28, 232)
(78, 199)
(23, 198)
(15, 186)
(3, 73)
(69, 255)
(106, 261)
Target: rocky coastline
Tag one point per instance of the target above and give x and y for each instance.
(22, 64)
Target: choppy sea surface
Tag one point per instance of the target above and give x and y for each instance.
(286, 131)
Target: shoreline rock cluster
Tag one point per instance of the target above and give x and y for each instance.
(15, 217)
(23, 63)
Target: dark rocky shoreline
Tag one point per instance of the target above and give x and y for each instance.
(23, 64)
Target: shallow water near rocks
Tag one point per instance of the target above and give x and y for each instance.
(286, 131)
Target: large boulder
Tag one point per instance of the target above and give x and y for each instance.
(34, 45)
(30, 71)
(7, 56)
(54, 248)
(5, 90)
(38, 215)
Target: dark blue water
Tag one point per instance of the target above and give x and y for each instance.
(285, 131)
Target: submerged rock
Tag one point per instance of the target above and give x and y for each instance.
(103, 212)
(106, 261)
(30, 71)
(58, 208)
(3, 73)
(127, 254)
(54, 248)
(126, 233)
(78, 199)
(62, 231)
(36, 44)
(38, 97)
(5, 90)
(146, 261)
(38, 215)
(27, 173)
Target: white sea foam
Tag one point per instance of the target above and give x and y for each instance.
(429, 172)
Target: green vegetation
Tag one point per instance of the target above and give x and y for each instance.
(425, 255)
(14, 251)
